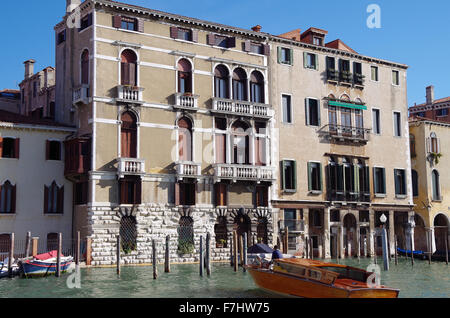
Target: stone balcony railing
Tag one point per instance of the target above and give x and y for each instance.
(80, 94)
(188, 169)
(242, 108)
(130, 94)
(238, 172)
(130, 166)
(186, 101)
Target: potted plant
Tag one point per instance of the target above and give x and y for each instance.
(186, 247)
(221, 244)
(435, 157)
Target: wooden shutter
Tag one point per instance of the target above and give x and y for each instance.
(283, 174)
(366, 179)
(231, 42)
(309, 176)
(340, 178)
(195, 36)
(132, 72)
(117, 21)
(291, 57)
(305, 59)
(384, 181)
(174, 32)
(247, 46)
(140, 25)
(17, 148)
(307, 111)
(13, 198)
(279, 54)
(294, 172)
(266, 49)
(211, 39)
(60, 200)
(320, 177)
(45, 199)
(124, 74)
(316, 57)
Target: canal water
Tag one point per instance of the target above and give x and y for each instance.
(421, 281)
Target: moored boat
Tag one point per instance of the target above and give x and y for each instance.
(316, 279)
(4, 271)
(44, 265)
(417, 254)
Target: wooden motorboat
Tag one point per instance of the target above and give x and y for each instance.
(44, 265)
(316, 279)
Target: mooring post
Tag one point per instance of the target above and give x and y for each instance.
(231, 241)
(395, 247)
(244, 252)
(11, 256)
(241, 249)
(77, 252)
(167, 256)
(88, 251)
(27, 244)
(208, 254)
(430, 237)
(118, 254)
(235, 251)
(34, 246)
(375, 247)
(311, 250)
(306, 247)
(385, 248)
(154, 260)
(412, 252)
(286, 241)
(58, 257)
(446, 249)
(201, 256)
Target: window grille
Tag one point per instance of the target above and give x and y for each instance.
(128, 234)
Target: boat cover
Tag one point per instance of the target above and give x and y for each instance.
(260, 249)
(43, 257)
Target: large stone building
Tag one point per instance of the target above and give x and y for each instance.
(430, 144)
(342, 144)
(434, 109)
(10, 100)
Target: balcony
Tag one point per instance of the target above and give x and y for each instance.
(348, 196)
(80, 95)
(332, 76)
(345, 78)
(358, 80)
(130, 166)
(237, 172)
(186, 101)
(345, 133)
(129, 94)
(241, 108)
(293, 226)
(188, 170)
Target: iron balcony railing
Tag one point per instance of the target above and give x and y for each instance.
(345, 77)
(293, 226)
(243, 172)
(358, 79)
(242, 108)
(340, 132)
(348, 196)
(332, 75)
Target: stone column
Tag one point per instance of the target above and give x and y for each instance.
(371, 233)
(391, 233)
(341, 241)
(306, 221)
(326, 233)
(358, 240)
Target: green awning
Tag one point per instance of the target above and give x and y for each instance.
(347, 105)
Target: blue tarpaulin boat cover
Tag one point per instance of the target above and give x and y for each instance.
(260, 249)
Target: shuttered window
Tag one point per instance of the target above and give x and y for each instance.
(9, 148)
(128, 23)
(415, 183)
(289, 175)
(221, 194)
(312, 111)
(379, 179)
(374, 73)
(7, 198)
(185, 193)
(310, 61)
(128, 68)
(397, 124)
(53, 199)
(400, 181)
(53, 150)
(314, 176)
(85, 22)
(287, 109)
(285, 56)
(130, 190)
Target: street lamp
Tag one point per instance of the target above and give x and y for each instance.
(383, 220)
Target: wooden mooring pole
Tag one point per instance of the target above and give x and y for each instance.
(231, 241)
(34, 246)
(27, 244)
(244, 252)
(306, 247)
(58, 257)
(375, 248)
(167, 255)
(201, 256)
(154, 260)
(446, 249)
(430, 252)
(311, 249)
(118, 255)
(412, 252)
(208, 254)
(395, 246)
(235, 251)
(11, 256)
(88, 251)
(241, 249)
(77, 251)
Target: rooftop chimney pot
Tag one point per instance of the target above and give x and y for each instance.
(72, 4)
(29, 68)
(257, 28)
(430, 94)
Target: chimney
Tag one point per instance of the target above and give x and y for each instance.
(430, 94)
(257, 28)
(29, 68)
(72, 4)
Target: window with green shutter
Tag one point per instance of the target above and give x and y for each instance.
(285, 56)
(289, 175)
(312, 112)
(400, 181)
(311, 61)
(379, 180)
(314, 176)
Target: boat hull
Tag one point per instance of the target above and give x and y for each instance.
(288, 285)
(41, 269)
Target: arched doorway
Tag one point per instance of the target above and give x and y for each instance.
(261, 230)
(420, 234)
(441, 230)
(221, 231)
(350, 240)
(243, 224)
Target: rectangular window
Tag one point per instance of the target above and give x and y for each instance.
(344, 69)
(262, 194)
(289, 170)
(130, 190)
(317, 41)
(400, 181)
(374, 73)
(221, 41)
(376, 123)
(379, 177)
(7, 198)
(54, 199)
(395, 78)
(257, 48)
(312, 112)
(442, 112)
(184, 34)
(35, 84)
(397, 124)
(285, 56)
(53, 150)
(81, 193)
(290, 219)
(287, 109)
(311, 61)
(61, 37)
(185, 194)
(9, 148)
(357, 73)
(221, 194)
(314, 176)
(86, 22)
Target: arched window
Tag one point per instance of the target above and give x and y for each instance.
(434, 143)
(412, 145)
(345, 97)
(54, 199)
(257, 87)
(128, 135)
(239, 84)
(128, 234)
(7, 198)
(415, 183)
(185, 139)
(221, 231)
(85, 67)
(241, 143)
(221, 82)
(128, 68)
(436, 186)
(184, 76)
(52, 241)
(186, 235)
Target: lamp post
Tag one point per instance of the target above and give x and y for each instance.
(383, 220)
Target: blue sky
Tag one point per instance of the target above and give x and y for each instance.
(412, 32)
